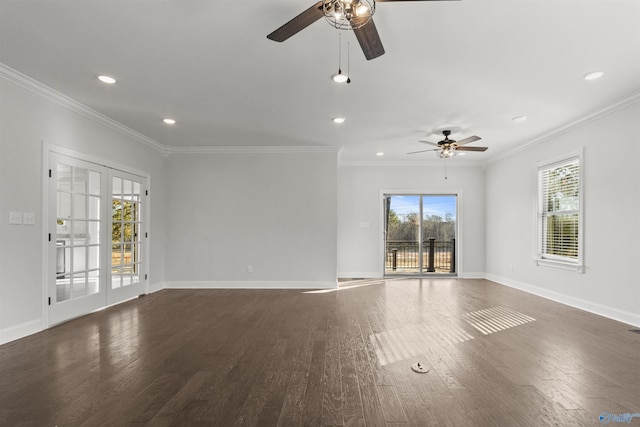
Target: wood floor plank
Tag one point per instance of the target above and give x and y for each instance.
(352, 408)
(165, 415)
(332, 387)
(294, 393)
(229, 357)
(312, 407)
(365, 371)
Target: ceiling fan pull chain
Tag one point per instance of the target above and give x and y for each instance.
(340, 52)
(348, 63)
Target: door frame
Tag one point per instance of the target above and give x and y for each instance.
(420, 191)
(47, 149)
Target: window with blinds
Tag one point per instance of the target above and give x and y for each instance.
(559, 211)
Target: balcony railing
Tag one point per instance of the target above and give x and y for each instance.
(437, 256)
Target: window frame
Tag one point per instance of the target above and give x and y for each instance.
(552, 260)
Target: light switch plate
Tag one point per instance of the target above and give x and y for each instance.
(29, 218)
(15, 218)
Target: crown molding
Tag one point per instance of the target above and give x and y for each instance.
(248, 149)
(400, 163)
(46, 92)
(582, 121)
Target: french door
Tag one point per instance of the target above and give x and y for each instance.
(96, 255)
(420, 234)
(125, 277)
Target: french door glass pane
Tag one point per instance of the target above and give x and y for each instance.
(63, 288)
(117, 186)
(64, 177)
(80, 180)
(93, 257)
(94, 207)
(64, 205)
(94, 183)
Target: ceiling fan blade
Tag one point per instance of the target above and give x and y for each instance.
(430, 143)
(368, 37)
(468, 140)
(471, 148)
(381, 1)
(422, 151)
(298, 23)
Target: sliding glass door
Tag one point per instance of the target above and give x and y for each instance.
(420, 234)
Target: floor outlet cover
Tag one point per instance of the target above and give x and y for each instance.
(419, 368)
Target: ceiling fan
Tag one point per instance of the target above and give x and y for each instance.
(448, 147)
(342, 14)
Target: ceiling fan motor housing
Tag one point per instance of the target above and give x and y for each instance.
(446, 139)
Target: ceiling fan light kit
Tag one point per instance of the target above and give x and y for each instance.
(340, 13)
(446, 153)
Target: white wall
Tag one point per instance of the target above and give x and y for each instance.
(275, 211)
(359, 205)
(609, 285)
(29, 115)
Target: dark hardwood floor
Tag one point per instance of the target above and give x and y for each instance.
(496, 356)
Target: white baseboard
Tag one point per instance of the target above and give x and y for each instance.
(591, 307)
(250, 285)
(20, 331)
(472, 275)
(376, 275)
(359, 274)
(156, 287)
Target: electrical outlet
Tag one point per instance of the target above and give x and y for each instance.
(15, 218)
(29, 218)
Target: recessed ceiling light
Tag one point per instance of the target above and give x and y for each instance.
(593, 75)
(379, 154)
(519, 119)
(169, 121)
(338, 120)
(107, 79)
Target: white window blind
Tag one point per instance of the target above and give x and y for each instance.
(559, 211)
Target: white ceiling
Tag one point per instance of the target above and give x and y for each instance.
(471, 65)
